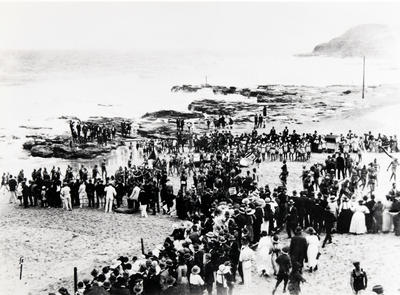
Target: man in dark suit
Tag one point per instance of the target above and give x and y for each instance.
(209, 273)
(329, 219)
(340, 166)
(291, 218)
(369, 220)
(298, 248)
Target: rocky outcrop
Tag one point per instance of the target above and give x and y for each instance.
(221, 107)
(46, 148)
(371, 40)
(172, 115)
(61, 146)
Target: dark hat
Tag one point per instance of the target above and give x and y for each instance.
(297, 230)
(195, 270)
(137, 277)
(285, 249)
(123, 259)
(378, 289)
(63, 291)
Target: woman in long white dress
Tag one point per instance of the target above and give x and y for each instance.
(357, 225)
(387, 218)
(246, 257)
(312, 249)
(263, 255)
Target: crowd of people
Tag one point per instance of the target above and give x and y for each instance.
(230, 223)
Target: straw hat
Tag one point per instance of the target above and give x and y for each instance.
(195, 270)
(250, 211)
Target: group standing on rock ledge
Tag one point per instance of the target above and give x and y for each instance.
(82, 132)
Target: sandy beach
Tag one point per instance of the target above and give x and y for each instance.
(53, 241)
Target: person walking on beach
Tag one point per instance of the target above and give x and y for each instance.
(358, 279)
(66, 196)
(82, 194)
(110, 195)
(12, 187)
(329, 219)
(284, 264)
(295, 278)
(246, 257)
(394, 165)
(103, 169)
(298, 248)
(143, 200)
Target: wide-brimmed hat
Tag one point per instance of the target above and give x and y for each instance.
(63, 291)
(290, 202)
(378, 289)
(221, 268)
(221, 240)
(260, 203)
(195, 270)
(285, 249)
(310, 231)
(187, 224)
(123, 259)
(250, 211)
(169, 262)
(210, 234)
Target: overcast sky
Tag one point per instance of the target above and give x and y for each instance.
(280, 27)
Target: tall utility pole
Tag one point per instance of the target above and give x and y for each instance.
(363, 81)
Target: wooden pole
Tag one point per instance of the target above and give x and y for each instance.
(21, 263)
(142, 244)
(363, 81)
(75, 280)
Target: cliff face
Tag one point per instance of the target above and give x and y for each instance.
(364, 40)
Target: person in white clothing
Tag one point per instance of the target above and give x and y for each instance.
(82, 195)
(246, 257)
(312, 249)
(66, 196)
(110, 195)
(133, 199)
(357, 225)
(263, 254)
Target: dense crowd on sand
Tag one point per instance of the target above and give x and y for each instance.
(230, 224)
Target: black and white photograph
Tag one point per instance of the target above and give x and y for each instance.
(199, 147)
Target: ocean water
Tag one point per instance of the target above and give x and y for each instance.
(37, 87)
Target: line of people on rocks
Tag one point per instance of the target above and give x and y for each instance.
(82, 132)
